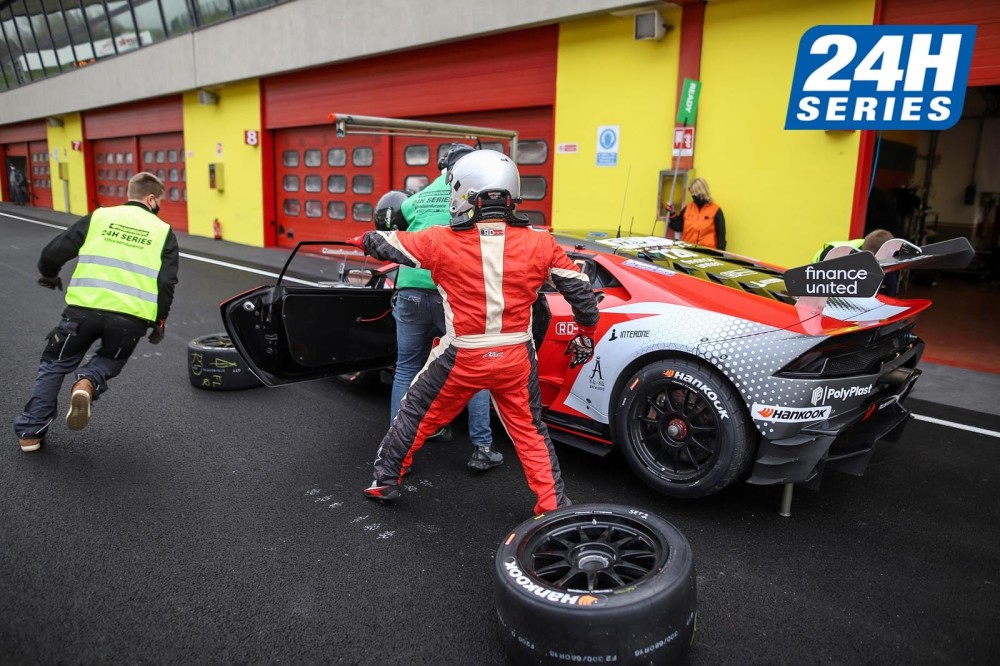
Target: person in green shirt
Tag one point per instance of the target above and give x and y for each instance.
(419, 314)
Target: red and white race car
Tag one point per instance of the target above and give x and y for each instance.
(706, 371)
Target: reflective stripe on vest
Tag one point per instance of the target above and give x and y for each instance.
(119, 262)
(699, 224)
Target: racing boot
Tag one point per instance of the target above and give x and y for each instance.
(79, 404)
(29, 444)
(484, 458)
(382, 491)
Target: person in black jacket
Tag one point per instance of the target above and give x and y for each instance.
(123, 284)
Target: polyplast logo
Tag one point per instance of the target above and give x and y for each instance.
(851, 77)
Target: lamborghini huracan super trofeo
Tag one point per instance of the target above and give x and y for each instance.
(706, 370)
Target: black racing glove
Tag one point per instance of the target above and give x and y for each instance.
(158, 329)
(51, 282)
(582, 346)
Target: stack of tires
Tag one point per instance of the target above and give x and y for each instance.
(215, 365)
(595, 584)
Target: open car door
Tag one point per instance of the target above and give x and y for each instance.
(293, 332)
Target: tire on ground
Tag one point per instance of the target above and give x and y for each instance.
(596, 583)
(215, 365)
(684, 429)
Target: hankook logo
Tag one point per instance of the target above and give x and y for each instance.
(546, 593)
(789, 414)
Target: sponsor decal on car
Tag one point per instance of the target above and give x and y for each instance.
(652, 268)
(708, 391)
(566, 328)
(543, 592)
(782, 414)
(627, 335)
(821, 394)
(738, 273)
(760, 284)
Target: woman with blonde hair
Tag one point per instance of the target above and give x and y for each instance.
(700, 222)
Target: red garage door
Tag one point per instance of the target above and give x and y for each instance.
(41, 174)
(414, 159)
(295, 106)
(327, 187)
(985, 14)
(114, 164)
(163, 155)
(146, 136)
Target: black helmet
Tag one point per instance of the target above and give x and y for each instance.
(388, 214)
(454, 152)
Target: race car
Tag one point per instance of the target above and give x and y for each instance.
(708, 368)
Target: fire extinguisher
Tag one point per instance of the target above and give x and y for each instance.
(217, 229)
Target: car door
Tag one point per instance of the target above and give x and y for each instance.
(297, 331)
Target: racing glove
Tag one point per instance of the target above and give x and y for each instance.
(357, 241)
(159, 328)
(582, 346)
(51, 282)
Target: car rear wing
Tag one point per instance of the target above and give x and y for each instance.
(847, 272)
(349, 123)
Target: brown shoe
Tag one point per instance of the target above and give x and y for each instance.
(30, 444)
(79, 405)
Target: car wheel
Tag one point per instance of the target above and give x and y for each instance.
(215, 365)
(596, 583)
(683, 429)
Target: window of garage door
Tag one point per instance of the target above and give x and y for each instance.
(326, 187)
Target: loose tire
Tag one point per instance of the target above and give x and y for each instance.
(683, 429)
(215, 365)
(596, 583)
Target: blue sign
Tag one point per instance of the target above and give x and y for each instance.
(875, 77)
(607, 145)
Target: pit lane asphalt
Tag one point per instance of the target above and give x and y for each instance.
(192, 526)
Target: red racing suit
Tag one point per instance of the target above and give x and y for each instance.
(489, 277)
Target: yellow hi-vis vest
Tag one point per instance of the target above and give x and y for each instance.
(119, 262)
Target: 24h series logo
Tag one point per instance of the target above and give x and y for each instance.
(880, 77)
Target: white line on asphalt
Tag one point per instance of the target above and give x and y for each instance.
(246, 269)
(960, 426)
(183, 254)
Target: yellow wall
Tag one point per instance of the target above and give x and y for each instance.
(61, 151)
(604, 77)
(784, 193)
(214, 129)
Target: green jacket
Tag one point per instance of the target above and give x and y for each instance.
(821, 255)
(426, 208)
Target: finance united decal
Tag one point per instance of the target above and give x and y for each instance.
(880, 77)
(547, 593)
(780, 414)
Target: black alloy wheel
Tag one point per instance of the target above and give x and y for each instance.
(596, 583)
(683, 429)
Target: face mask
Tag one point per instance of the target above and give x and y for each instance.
(701, 201)
(156, 208)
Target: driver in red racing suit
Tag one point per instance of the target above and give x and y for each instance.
(488, 266)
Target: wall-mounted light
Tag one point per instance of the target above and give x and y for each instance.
(54, 121)
(207, 98)
(649, 25)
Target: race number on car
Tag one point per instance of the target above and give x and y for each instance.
(850, 77)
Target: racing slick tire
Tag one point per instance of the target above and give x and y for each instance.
(215, 365)
(596, 583)
(683, 429)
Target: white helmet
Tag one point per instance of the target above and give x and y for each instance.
(484, 184)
